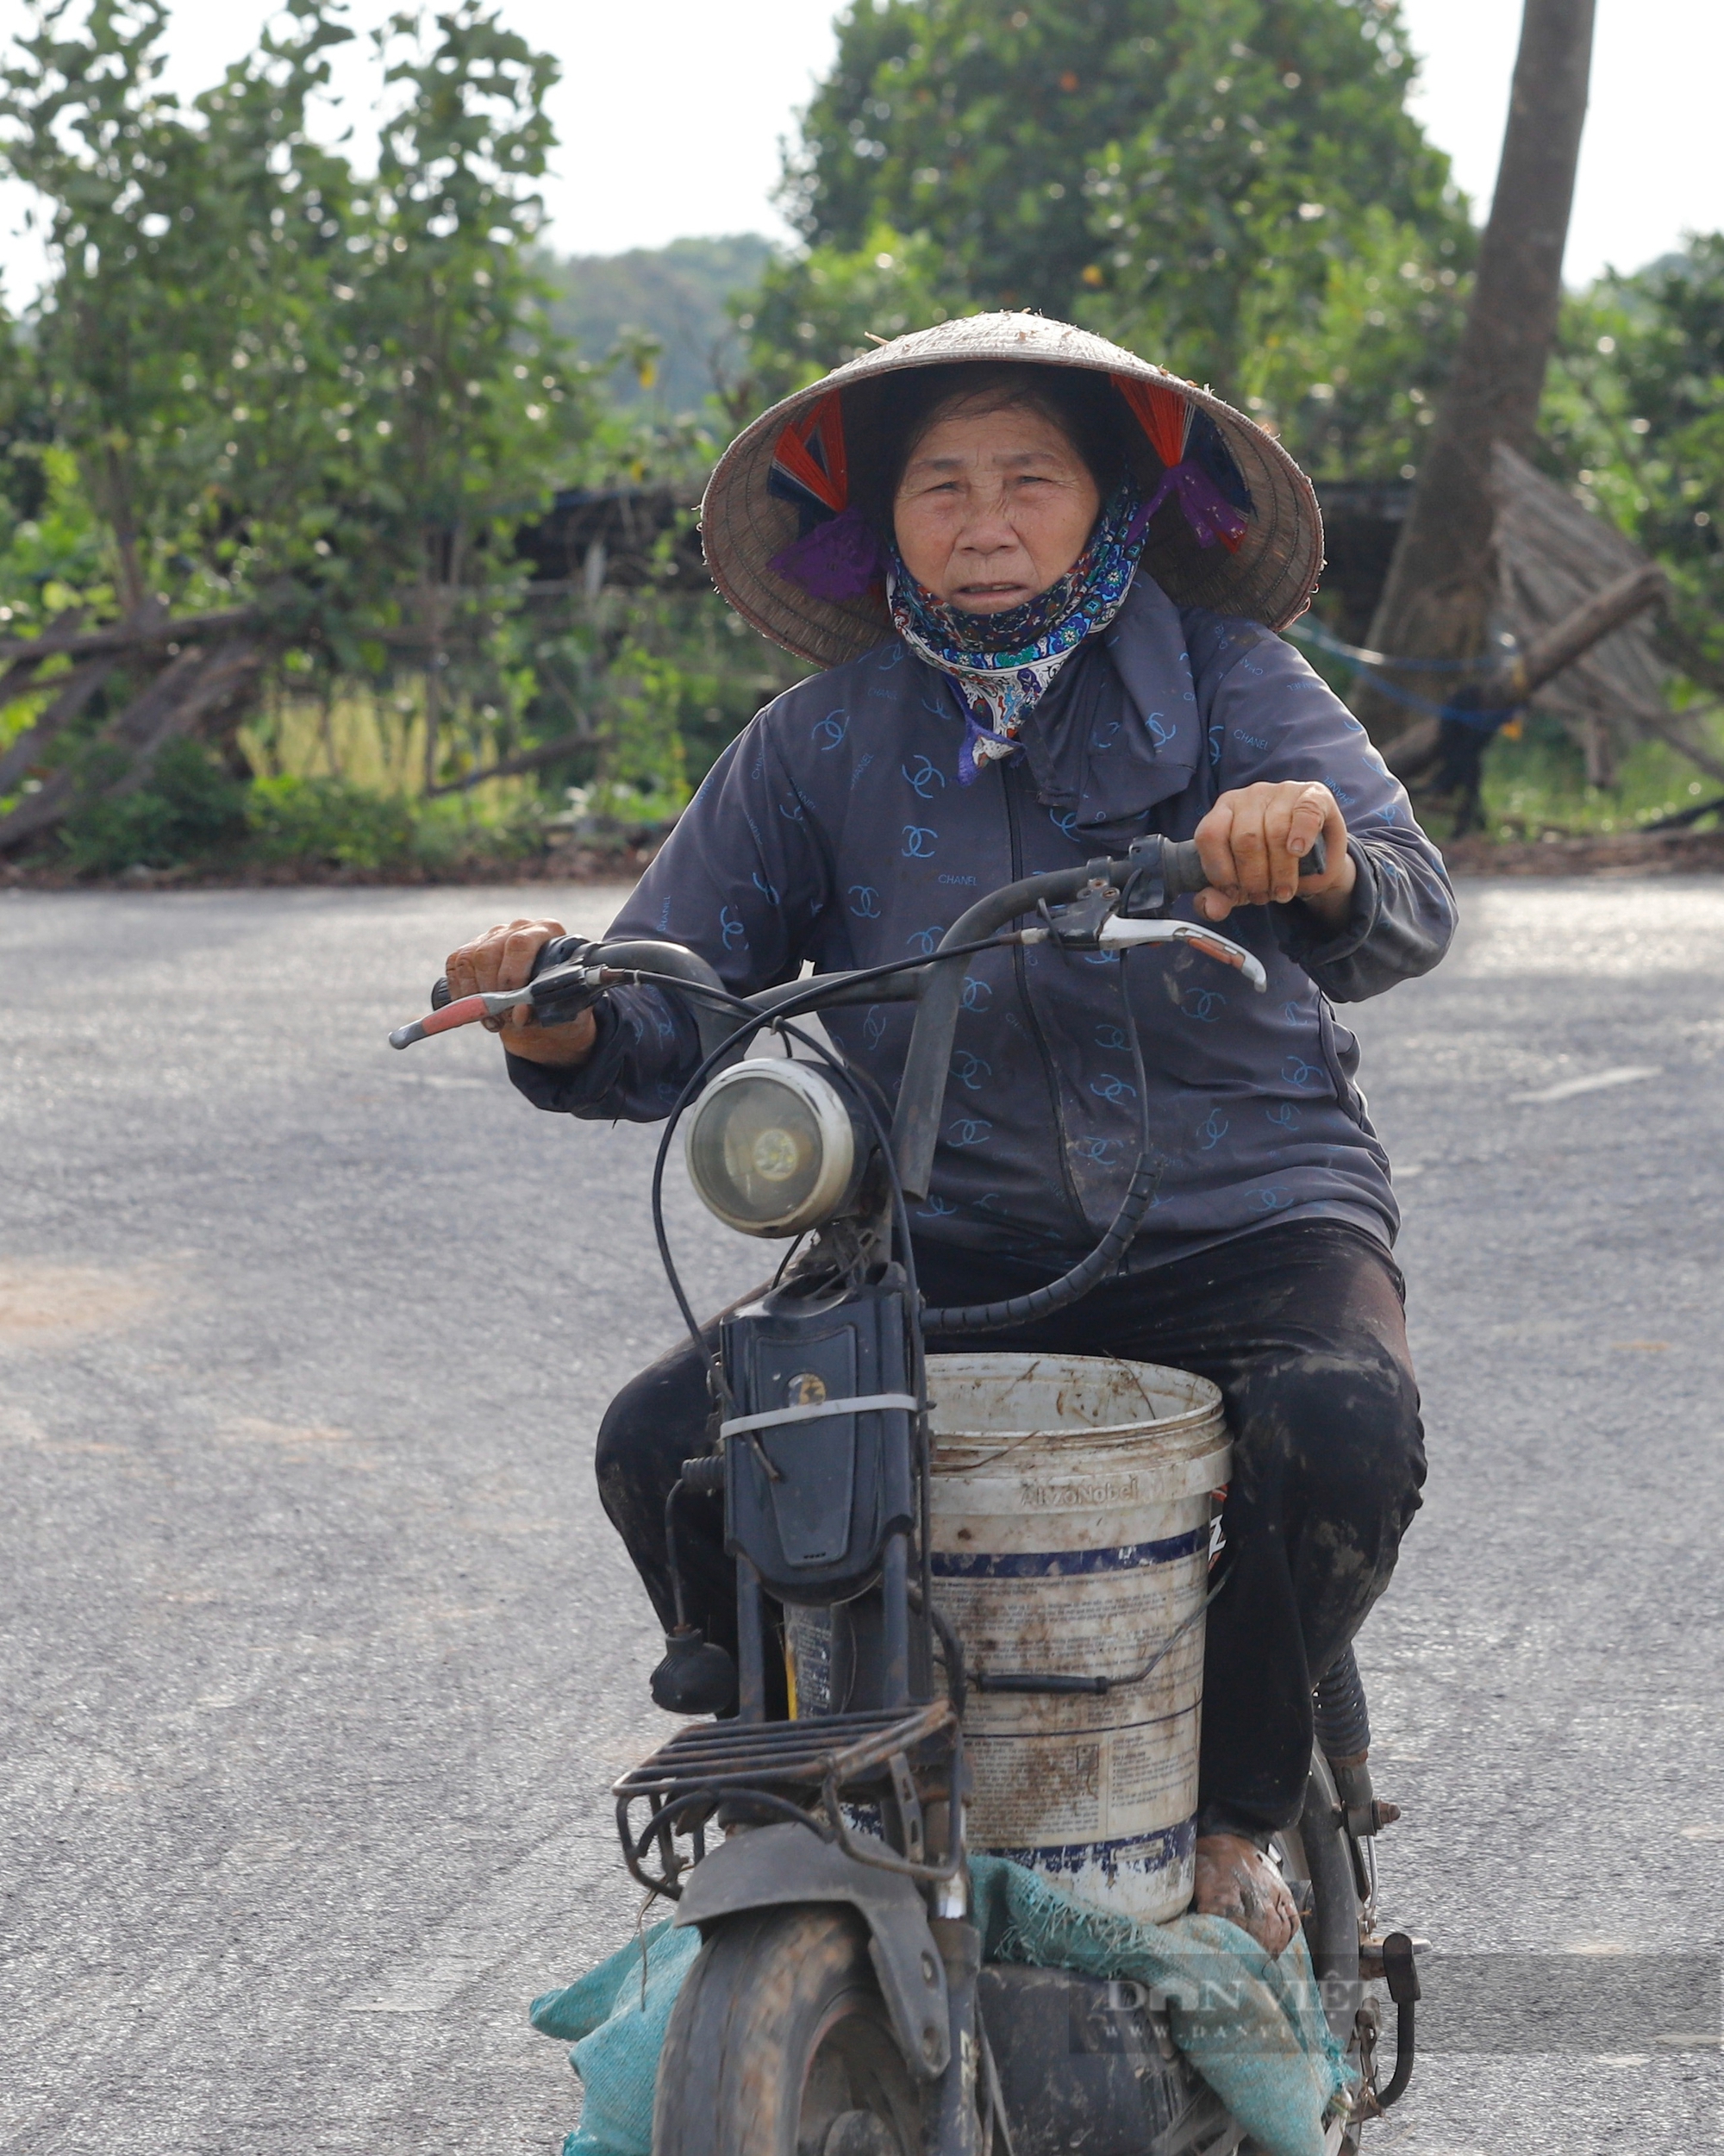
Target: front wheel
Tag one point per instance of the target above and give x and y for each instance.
(779, 2045)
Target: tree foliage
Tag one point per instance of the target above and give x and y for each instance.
(269, 367)
(810, 313)
(156, 218)
(1233, 185)
(1634, 416)
(308, 405)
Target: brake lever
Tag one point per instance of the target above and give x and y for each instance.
(1095, 921)
(1120, 935)
(463, 1011)
(553, 996)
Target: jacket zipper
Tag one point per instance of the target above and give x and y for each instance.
(1043, 1048)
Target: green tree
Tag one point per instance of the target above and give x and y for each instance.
(172, 252)
(1279, 220)
(317, 401)
(1634, 414)
(1194, 177)
(811, 312)
(454, 385)
(1349, 367)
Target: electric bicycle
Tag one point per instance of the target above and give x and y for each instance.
(838, 2005)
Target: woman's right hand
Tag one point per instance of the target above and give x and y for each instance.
(502, 958)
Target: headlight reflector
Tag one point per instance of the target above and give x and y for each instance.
(771, 1147)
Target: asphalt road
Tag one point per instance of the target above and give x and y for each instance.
(318, 1656)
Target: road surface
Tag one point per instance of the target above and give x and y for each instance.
(318, 1656)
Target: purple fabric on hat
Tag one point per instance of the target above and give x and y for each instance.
(839, 559)
(1207, 509)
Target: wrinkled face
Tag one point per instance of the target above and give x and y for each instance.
(993, 507)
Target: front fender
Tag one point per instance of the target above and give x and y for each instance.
(774, 1867)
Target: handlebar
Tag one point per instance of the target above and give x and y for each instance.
(1182, 871)
(1145, 879)
(1134, 890)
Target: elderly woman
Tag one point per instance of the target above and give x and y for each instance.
(1051, 575)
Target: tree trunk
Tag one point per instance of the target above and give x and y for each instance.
(73, 691)
(1441, 582)
(24, 654)
(108, 476)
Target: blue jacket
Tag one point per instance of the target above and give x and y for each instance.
(835, 829)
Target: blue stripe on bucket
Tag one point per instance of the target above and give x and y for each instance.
(1170, 1844)
(1065, 1564)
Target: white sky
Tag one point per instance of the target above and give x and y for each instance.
(670, 115)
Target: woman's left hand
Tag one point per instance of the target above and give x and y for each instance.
(1251, 842)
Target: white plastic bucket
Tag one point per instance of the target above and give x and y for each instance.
(1071, 1505)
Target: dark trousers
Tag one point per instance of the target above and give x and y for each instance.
(1302, 1328)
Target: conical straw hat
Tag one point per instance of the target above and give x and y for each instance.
(1268, 576)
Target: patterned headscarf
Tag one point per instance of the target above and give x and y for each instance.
(1002, 663)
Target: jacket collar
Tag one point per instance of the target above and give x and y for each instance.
(1125, 734)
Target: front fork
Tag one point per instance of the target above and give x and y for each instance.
(952, 2117)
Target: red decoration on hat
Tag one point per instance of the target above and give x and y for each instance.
(1163, 414)
(810, 454)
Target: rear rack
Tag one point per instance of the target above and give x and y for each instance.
(807, 1772)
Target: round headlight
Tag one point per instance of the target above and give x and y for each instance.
(771, 1147)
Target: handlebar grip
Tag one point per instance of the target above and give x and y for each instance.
(553, 951)
(1182, 873)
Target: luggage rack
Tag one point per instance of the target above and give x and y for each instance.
(807, 1772)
